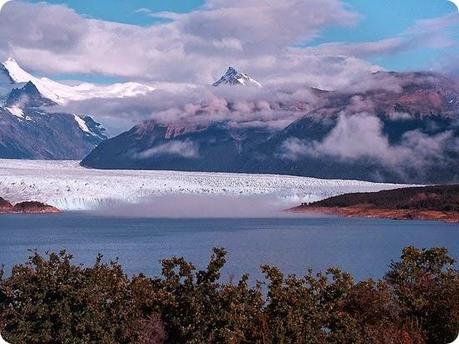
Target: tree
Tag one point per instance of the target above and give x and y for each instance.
(425, 286)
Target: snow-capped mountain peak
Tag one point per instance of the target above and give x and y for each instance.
(61, 93)
(16, 73)
(47, 88)
(233, 77)
(5, 77)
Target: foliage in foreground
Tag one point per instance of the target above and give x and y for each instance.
(52, 300)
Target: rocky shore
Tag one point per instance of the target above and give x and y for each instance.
(402, 214)
(30, 207)
(435, 203)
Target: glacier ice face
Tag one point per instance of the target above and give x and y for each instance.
(69, 186)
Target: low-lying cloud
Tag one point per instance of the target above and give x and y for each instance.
(274, 107)
(361, 136)
(184, 149)
(202, 206)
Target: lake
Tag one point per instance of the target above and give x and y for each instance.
(363, 247)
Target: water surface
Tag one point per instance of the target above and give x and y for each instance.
(363, 247)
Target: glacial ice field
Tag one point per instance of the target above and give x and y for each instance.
(69, 186)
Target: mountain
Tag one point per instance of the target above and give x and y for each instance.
(26, 97)
(235, 78)
(7, 83)
(408, 133)
(34, 134)
(12, 73)
(151, 145)
(30, 130)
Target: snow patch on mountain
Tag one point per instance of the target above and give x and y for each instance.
(16, 73)
(82, 124)
(16, 111)
(69, 186)
(233, 77)
(61, 93)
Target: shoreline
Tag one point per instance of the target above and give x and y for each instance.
(29, 207)
(431, 203)
(391, 214)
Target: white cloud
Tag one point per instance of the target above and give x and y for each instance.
(361, 137)
(202, 105)
(428, 33)
(185, 149)
(254, 35)
(262, 37)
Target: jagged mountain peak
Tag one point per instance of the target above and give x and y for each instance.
(234, 77)
(27, 96)
(7, 81)
(5, 76)
(31, 88)
(231, 70)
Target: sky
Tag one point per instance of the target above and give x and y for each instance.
(380, 19)
(194, 41)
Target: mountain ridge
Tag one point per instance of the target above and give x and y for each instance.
(390, 128)
(61, 93)
(30, 130)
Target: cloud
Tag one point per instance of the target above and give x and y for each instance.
(270, 106)
(273, 106)
(267, 39)
(255, 35)
(434, 33)
(263, 26)
(202, 206)
(55, 29)
(399, 116)
(185, 149)
(361, 136)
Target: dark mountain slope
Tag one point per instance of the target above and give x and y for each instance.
(28, 131)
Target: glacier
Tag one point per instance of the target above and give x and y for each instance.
(70, 187)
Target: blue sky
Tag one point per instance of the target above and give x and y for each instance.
(387, 18)
(374, 24)
(126, 11)
(380, 19)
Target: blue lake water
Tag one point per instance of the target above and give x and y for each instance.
(363, 247)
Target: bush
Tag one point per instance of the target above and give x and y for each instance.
(51, 300)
